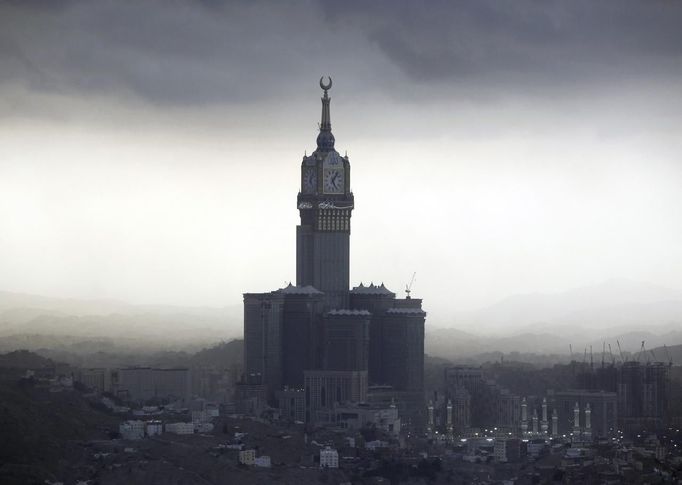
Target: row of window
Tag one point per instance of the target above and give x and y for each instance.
(333, 221)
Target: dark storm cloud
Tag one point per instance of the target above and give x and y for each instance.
(184, 53)
(177, 52)
(527, 40)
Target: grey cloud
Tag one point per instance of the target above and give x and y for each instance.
(224, 52)
(524, 40)
(177, 52)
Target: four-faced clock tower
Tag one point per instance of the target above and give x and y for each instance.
(321, 336)
(325, 203)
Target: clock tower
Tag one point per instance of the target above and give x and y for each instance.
(325, 203)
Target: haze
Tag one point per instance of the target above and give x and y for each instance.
(150, 151)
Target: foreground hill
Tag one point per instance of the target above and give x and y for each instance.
(40, 432)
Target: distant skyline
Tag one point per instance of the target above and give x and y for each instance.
(150, 151)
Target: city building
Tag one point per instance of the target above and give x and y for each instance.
(481, 403)
(507, 450)
(247, 457)
(356, 416)
(643, 390)
(263, 462)
(603, 410)
(251, 395)
(98, 379)
(145, 383)
(346, 340)
(180, 428)
(329, 458)
(324, 389)
(291, 404)
(132, 430)
(154, 428)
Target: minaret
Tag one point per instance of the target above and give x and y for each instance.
(524, 417)
(449, 419)
(544, 425)
(535, 421)
(429, 425)
(588, 422)
(555, 423)
(576, 421)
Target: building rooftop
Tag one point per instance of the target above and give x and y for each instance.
(372, 289)
(299, 290)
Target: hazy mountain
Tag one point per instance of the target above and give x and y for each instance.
(538, 323)
(29, 315)
(668, 354)
(548, 323)
(614, 303)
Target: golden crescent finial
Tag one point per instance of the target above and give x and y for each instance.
(328, 86)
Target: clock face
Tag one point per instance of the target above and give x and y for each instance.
(333, 181)
(310, 180)
(333, 174)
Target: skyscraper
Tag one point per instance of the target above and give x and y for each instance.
(319, 333)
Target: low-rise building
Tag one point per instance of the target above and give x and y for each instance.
(201, 416)
(247, 457)
(154, 428)
(329, 458)
(376, 444)
(132, 430)
(357, 415)
(203, 427)
(180, 428)
(507, 450)
(291, 403)
(98, 379)
(263, 462)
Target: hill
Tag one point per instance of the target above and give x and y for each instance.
(40, 432)
(221, 356)
(22, 314)
(618, 303)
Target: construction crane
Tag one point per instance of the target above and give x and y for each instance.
(642, 350)
(408, 287)
(603, 353)
(613, 358)
(622, 359)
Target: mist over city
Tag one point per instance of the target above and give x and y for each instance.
(195, 287)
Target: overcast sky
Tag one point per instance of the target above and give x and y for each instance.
(150, 150)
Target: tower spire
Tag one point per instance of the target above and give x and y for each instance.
(326, 123)
(325, 140)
